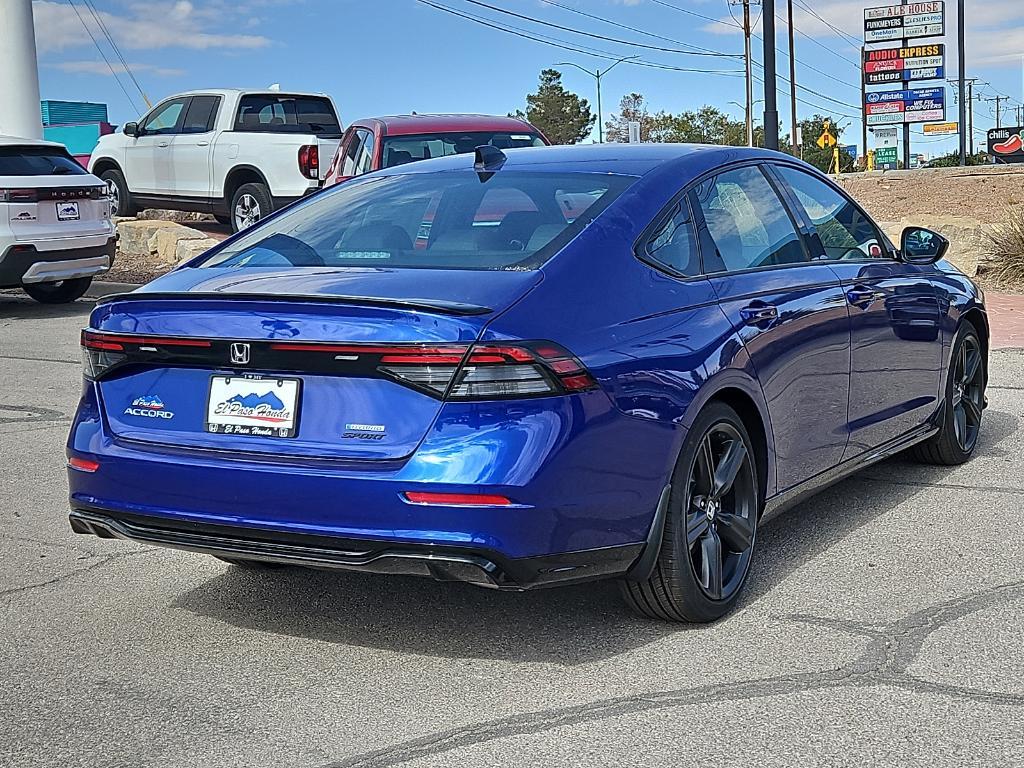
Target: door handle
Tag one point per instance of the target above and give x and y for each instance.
(163, 144)
(755, 314)
(860, 296)
(202, 143)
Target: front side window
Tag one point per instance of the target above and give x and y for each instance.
(747, 222)
(399, 150)
(165, 118)
(673, 245)
(283, 113)
(443, 220)
(845, 232)
(200, 114)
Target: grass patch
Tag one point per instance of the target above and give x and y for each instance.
(1005, 248)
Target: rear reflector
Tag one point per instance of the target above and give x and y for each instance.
(458, 499)
(83, 465)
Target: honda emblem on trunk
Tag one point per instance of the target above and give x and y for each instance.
(239, 353)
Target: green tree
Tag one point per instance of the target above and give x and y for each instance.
(812, 153)
(632, 109)
(561, 115)
(707, 125)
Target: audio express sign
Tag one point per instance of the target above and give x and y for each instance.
(916, 105)
(899, 22)
(913, 62)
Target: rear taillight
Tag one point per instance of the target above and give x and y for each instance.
(83, 465)
(19, 196)
(489, 371)
(100, 351)
(309, 161)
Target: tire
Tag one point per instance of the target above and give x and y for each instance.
(683, 585)
(251, 565)
(122, 204)
(225, 220)
(249, 204)
(59, 292)
(964, 404)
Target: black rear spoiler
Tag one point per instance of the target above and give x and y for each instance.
(421, 305)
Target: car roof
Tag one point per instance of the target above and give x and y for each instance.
(689, 160)
(240, 92)
(404, 125)
(19, 141)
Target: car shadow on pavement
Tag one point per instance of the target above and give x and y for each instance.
(568, 625)
(18, 306)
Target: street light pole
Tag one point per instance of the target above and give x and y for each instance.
(597, 75)
(771, 111)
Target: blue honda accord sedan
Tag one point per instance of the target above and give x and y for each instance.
(528, 368)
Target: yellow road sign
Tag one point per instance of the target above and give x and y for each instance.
(826, 139)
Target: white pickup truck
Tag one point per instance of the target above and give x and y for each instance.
(237, 154)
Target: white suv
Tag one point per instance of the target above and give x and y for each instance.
(236, 154)
(55, 228)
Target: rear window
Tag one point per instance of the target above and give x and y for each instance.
(38, 161)
(281, 113)
(405, 149)
(450, 220)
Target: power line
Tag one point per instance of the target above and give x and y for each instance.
(578, 12)
(103, 27)
(595, 35)
(694, 13)
(565, 45)
(854, 42)
(105, 59)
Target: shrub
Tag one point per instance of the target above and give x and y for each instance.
(1006, 250)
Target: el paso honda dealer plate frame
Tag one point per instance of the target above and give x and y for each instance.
(253, 405)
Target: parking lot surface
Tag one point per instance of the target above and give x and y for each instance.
(882, 626)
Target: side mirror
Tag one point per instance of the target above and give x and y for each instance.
(131, 129)
(922, 246)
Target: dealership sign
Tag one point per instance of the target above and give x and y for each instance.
(916, 105)
(912, 62)
(1006, 145)
(900, 22)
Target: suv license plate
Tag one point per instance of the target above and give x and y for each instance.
(67, 210)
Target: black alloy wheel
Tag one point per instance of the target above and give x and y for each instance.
(722, 512)
(710, 526)
(968, 400)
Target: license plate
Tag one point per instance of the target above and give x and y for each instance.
(257, 406)
(68, 211)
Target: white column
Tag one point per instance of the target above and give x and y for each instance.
(19, 73)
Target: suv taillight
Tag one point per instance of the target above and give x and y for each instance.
(18, 196)
(309, 161)
(490, 371)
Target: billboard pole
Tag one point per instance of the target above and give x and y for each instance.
(906, 125)
(771, 111)
(863, 105)
(963, 80)
(19, 75)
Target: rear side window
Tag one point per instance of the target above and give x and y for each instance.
(447, 220)
(202, 111)
(673, 244)
(748, 224)
(844, 231)
(358, 157)
(282, 113)
(38, 161)
(399, 150)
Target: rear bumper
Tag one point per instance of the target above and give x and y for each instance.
(25, 264)
(479, 566)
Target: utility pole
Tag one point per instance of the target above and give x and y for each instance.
(963, 79)
(749, 109)
(970, 113)
(999, 110)
(792, 85)
(771, 111)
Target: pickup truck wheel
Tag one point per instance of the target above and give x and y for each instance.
(121, 198)
(249, 204)
(60, 292)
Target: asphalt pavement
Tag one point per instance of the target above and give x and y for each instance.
(883, 626)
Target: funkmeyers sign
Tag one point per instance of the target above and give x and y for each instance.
(912, 62)
(900, 22)
(915, 105)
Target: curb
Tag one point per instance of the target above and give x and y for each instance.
(100, 288)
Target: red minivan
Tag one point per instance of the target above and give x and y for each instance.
(382, 142)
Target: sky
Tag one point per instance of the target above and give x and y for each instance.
(379, 57)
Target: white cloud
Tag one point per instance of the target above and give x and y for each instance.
(101, 68)
(145, 26)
